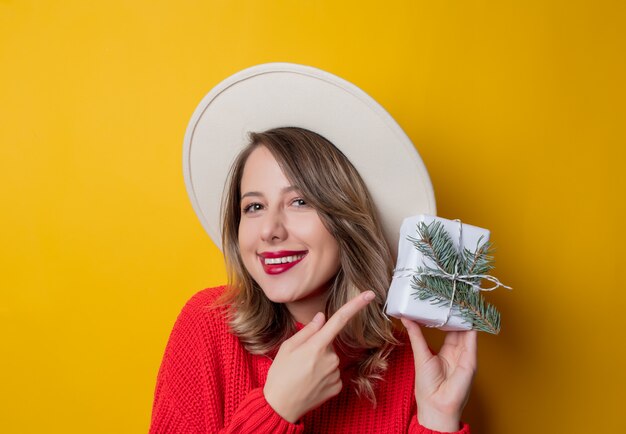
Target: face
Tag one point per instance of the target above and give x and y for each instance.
(283, 243)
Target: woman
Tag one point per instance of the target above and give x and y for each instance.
(297, 341)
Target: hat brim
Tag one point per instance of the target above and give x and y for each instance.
(282, 94)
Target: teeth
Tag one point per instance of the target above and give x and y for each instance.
(283, 260)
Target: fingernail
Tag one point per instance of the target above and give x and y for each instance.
(318, 317)
(369, 295)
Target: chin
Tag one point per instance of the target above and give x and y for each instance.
(278, 299)
(279, 295)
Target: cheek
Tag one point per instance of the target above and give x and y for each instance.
(311, 228)
(325, 242)
(333, 255)
(246, 236)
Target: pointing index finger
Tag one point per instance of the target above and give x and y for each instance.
(327, 334)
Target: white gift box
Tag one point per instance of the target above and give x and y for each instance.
(401, 299)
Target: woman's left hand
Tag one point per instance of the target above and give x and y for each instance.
(442, 381)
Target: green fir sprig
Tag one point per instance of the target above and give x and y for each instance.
(434, 243)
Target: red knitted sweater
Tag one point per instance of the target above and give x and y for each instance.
(209, 383)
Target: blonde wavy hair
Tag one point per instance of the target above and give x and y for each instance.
(333, 187)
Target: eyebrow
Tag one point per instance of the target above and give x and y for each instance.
(259, 194)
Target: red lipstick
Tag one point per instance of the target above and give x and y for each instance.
(277, 267)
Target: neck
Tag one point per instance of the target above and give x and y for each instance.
(304, 310)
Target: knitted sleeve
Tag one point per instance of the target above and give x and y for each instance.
(416, 428)
(189, 393)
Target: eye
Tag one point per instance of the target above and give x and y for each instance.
(252, 208)
(299, 202)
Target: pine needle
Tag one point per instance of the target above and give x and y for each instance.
(435, 243)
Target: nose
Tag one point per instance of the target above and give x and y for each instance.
(273, 228)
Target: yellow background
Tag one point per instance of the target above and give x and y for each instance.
(516, 108)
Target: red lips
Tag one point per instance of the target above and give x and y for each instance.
(281, 267)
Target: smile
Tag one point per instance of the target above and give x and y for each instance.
(279, 262)
(283, 260)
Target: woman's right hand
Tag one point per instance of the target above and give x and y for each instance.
(305, 372)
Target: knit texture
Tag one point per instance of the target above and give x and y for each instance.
(208, 383)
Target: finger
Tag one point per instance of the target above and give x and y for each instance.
(471, 341)
(307, 331)
(340, 319)
(470, 344)
(421, 352)
(463, 373)
(459, 348)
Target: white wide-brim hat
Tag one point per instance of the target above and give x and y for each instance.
(288, 95)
